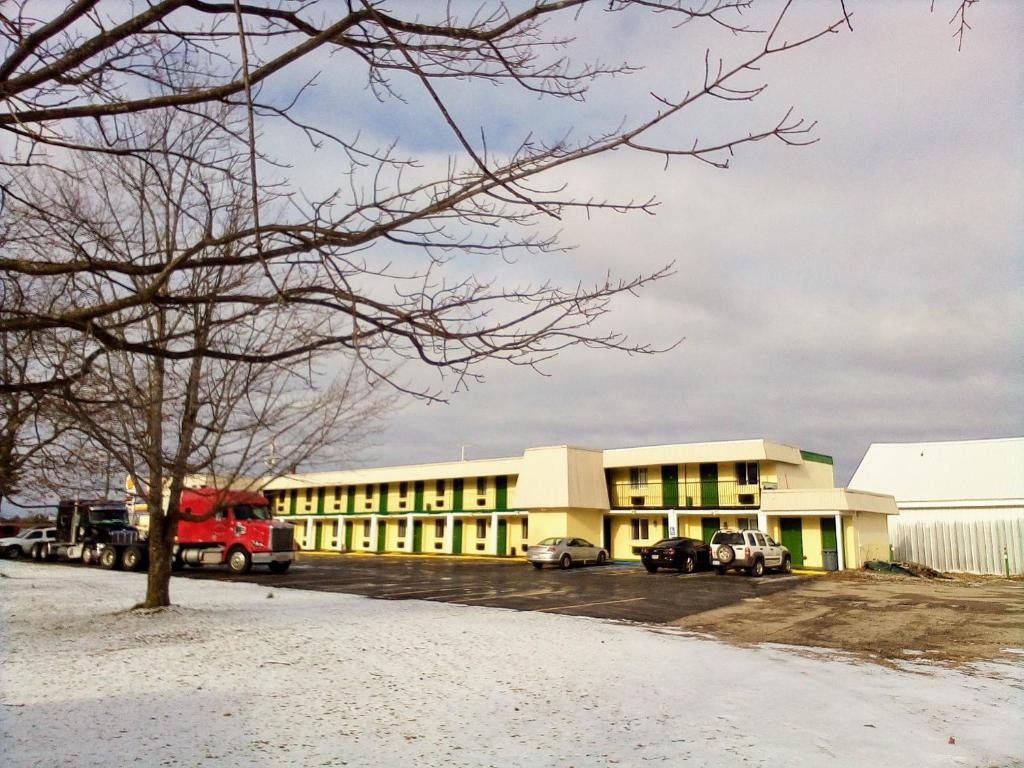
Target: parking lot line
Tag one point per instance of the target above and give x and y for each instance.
(587, 605)
(504, 595)
(419, 591)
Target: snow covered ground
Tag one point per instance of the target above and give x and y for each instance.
(237, 674)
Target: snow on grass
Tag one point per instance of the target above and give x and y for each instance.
(231, 675)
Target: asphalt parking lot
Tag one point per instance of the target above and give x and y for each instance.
(616, 591)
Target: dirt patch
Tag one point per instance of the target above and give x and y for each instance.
(882, 617)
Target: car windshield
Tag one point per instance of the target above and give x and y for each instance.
(668, 542)
(251, 512)
(550, 542)
(728, 537)
(108, 516)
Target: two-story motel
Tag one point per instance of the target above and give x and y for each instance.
(622, 499)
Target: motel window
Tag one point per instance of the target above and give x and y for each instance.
(746, 472)
(641, 528)
(746, 522)
(439, 487)
(403, 528)
(369, 492)
(481, 486)
(366, 529)
(439, 529)
(526, 528)
(638, 476)
(403, 489)
(481, 529)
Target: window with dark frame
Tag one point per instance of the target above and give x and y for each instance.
(369, 492)
(366, 529)
(403, 490)
(481, 486)
(439, 487)
(746, 472)
(641, 528)
(439, 529)
(637, 476)
(481, 529)
(403, 528)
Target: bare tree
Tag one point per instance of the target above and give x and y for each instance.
(163, 417)
(100, 63)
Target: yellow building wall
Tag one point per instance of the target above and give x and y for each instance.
(586, 524)
(472, 542)
(546, 523)
(810, 532)
(360, 542)
(872, 539)
(516, 538)
(300, 533)
(809, 474)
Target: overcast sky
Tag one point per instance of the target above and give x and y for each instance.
(863, 289)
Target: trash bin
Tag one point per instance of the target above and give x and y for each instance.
(830, 558)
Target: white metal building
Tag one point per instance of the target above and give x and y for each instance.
(961, 502)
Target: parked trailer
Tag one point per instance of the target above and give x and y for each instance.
(235, 528)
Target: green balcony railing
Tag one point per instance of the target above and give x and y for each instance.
(696, 494)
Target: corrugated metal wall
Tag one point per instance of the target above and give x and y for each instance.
(974, 546)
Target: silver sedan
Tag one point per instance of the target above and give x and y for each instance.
(564, 551)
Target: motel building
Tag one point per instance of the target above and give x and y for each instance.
(622, 499)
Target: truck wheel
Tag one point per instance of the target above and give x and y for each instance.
(132, 559)
(280, 567)
(239, 561)
(109, 558)
(758, 568)
(787, 566)
(13, 552)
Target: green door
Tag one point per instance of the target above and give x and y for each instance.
(457, 493)
(501, 493)
(350, 502)
(709, 485)
(417, 536)
(383, 498)
(382, 532)
(670, 486)
(457, 538)
(502, 537)
(708, 527)
(417, 496)
(318, 535)
(793, 538)
(320, 494)
(348, 537)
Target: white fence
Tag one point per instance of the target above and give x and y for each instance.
(974, 546)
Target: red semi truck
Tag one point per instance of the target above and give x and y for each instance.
(236, 529)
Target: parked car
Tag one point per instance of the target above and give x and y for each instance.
(748, 550)
(564, 551)
(29, 543)
(679, 552)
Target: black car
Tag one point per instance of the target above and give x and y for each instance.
(686, 555)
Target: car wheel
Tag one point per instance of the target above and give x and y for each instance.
(721, 570)
(279, 566)
(651, 568)
(725, 554)
(239, 561)
(132, 559)
(602, 558)
(13, 552)
(787, 566)
(689, 564)
(108, 558)
(757, 569)
(538, 566)
(565, 563)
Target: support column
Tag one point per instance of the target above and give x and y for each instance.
(410, 533)
(839, 542)
(762, 521)
(673, 523)
(449, 532)
(342, 524)
(492, 535)
(310, 540)
(373, 533)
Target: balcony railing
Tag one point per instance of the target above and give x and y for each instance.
(696, 494)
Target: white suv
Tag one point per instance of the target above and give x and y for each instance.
(30, 542)
(750, 550)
